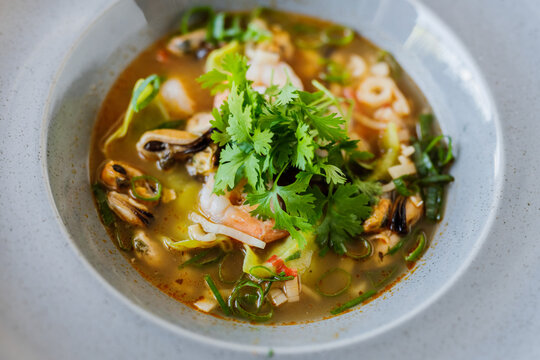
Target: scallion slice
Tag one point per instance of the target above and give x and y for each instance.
(401, 186)
(145, 92)
(217, 295)
(202, 258)
(248, 293)
(368, 250)
(419, 249)
(337, 35)
(156, 187)
(349, 304)
(326, 276)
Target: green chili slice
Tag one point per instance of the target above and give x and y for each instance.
(333, 272)
(145, 92)
(217, 295)
(337, 35)
(419, 249)
(368, 251)
(194, 12)
(349, 304)
(156, 188)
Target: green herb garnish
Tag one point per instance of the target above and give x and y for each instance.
(264, 136)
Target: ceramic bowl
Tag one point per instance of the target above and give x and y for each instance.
(429, 53)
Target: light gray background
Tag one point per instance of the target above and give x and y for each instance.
(52, 308)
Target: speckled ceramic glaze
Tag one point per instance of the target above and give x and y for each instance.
(474, 294)
(429, 53)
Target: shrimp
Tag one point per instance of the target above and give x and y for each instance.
(266, 70)
(221, 209)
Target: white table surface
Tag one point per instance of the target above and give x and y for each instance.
(51, 307)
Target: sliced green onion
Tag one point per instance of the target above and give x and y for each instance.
(401, 242)
(368, 251)
(174, 124)
(201, 258)
(254, 316)
(426, 124)
(335, 73)
(105, 212)
(435, 179)
(381, 282)
(217, 295)
(398, 246)
(145, 92)
(157, 190)
(337, 35)
(235, 30)
(194, 11)
(237, 300)
(419, 249)
(335, 271)
(434, 201)
(272, 276)
(224, 279)
(401, 186)
(294, 256)
(423, 163)
(218, 26)
(395, 68)
(349, 304)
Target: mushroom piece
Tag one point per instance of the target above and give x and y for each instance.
(116, 174)
(168, 145)
(404, 214)
(128, 209)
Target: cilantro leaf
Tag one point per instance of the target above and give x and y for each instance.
(231, 159)
(287, 94)
(329, 127)
(334, 175)
(262, 140)
(346, 209)
(299, 207)
(305, 148)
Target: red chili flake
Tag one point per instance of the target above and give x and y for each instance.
(162, 55)
(281, 267)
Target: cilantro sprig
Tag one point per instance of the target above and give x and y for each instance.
(290, 153)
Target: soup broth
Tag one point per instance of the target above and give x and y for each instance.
(326, 279)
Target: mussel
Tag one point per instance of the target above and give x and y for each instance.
(404, 215)
(168, 145)
(128, 209)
